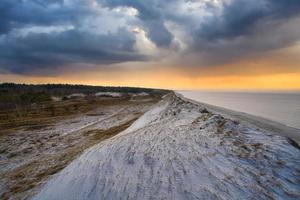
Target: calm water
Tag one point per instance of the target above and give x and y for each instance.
(280, 107)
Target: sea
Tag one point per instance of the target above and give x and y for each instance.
(282, 107)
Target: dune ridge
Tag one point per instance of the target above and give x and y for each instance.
(182, 150)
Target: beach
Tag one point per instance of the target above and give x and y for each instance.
(251, 120)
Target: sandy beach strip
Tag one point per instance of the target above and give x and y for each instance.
(252, 120)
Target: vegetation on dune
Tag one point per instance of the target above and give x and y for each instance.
(31, 106)
(21, 103)
(39, 139)
(14, 91)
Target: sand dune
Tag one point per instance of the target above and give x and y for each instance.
(180, 150)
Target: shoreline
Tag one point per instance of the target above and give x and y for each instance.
(251, 120)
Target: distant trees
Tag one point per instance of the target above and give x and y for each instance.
(11, 100)
(34, 97)
(66, 89)
(12, 94)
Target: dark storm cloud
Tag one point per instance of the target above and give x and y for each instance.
(20, 13)
(41, 50)
(152, 15)
(37, 52)
(239, 17)
(211, 35)
(238, 20)
(244, 29)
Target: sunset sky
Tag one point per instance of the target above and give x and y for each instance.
(176, 44)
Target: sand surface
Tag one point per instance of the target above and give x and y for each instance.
(29, 156)
(182, 150)
(251, 120)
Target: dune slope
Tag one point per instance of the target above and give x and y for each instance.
(180, 150)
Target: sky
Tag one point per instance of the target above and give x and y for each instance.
(175, 44)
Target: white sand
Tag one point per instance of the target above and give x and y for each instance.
(179, 150)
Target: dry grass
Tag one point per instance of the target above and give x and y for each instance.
(42, 116)
(104, 134)
(36, 172)
(46, 154)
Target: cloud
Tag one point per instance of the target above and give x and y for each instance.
(19, 13)
(245, 28)
(151, 16)
(52, 50)
(42, 36)
(240, 16)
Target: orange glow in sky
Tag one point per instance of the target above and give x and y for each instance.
(173, 80)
